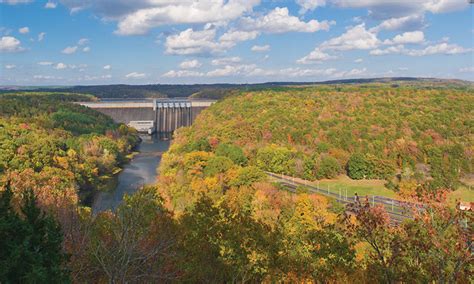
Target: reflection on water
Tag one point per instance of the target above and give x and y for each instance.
(140, 171)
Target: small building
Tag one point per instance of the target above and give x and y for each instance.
(466, 206)
(143, 126)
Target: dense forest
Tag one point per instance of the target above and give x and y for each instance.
(48, 141)
(214, 217)
(419, 140)
(411, 137)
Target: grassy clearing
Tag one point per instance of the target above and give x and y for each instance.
(362, 187)
(463, 193)
(377, 187)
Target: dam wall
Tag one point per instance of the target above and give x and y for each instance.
(167, 114)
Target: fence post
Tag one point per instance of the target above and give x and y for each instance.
(328, 189)
(392, 205)
(373, 200)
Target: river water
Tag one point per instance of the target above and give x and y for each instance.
(141, 170)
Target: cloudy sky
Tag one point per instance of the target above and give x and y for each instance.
(67, 42)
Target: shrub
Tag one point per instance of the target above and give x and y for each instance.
(199, 145)
(358, 167)
(233, 152)
(217, 164)
(275, 159)
(247, 176)
(328, 168)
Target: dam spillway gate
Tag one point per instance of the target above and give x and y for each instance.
(157, 115)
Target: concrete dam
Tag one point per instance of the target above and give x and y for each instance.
(153, 115)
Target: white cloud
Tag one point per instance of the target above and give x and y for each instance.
(139, 16)
(467, 69)
(279, 21)
(309, 5)
(226, 61)
(298, 72)
(182, 73)
(415, 37)
(402, 15)
(10, 66)
(252, 70)
(316, 56)
(135, 75)
(410, 22)
(45, 63)
(60, 66)
(358, 60)
(46, 77)
(204, 41)
(390, 50)
(14, 2)
(260, 48)
(107, 67)
(195, 42)
(24, 30)
(232, 70)
(354, 38)
(86, 49)
(444, 6)
(69, 50)
(234, 36)
(393, 9)
(351, 73)
(83, 41)
(41, 36)
(10, 44)
(94, 78)
(190, 64)
(182, 12)
(440, 48)
(50, 5)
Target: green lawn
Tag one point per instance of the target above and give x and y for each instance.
(362, 187)
(376, 187)
(463, 193)
(344, 185)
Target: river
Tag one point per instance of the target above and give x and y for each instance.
(141, 170)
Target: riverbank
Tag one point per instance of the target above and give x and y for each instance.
(139, 171)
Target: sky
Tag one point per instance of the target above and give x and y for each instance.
(92, 42)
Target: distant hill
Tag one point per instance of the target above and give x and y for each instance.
(220, 90)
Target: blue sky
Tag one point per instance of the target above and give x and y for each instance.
(89, 42)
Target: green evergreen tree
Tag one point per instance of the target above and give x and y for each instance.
(30, 245)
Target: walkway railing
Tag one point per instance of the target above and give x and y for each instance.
(397, 210)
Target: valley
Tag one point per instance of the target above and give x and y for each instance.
(254, 188)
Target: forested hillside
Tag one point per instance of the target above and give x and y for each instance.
(45, 140)
(408, 136)
(238, 226)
